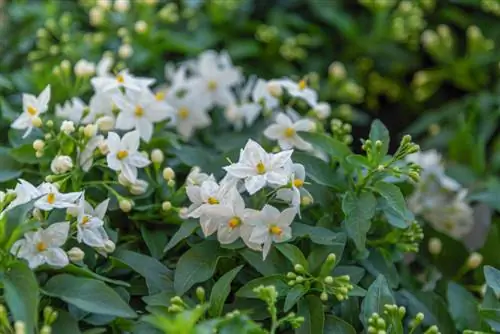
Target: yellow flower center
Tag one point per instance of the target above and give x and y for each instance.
(212, 200)
(234, 222)
(51, 198)
(212, 85)
(31, 110)
(160, 96)
(289, 132)
(122, 154)
(302, 84)
(120, 78)
(276, 230)
(85, 220)
(183, 112)
(41, 246)
(139, 112)
(261, 169)
(298, 183)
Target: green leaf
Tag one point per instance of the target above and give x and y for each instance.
(293, 296)
(65, 323)
(331, 146)
(185, 230)
(359, 210)
(197, 265)
(492, 317)
(158, 277)
(89, 295)
(378, 131)
(376, 264)
(334, 325)
(492, 276)
(26, 154)
(11, 169)
(14, 223)
(220, 291)
(319, 171)
(311, 308)
(274, 264)
(278, 281)
(378, 295)
(395, 202)
(318, 235)
(156, 240)
(85, 272)
(319, 253)
(463, 307)
(21, 293)
(293, 253)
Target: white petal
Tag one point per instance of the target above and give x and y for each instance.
(56, 257)
(255, 183)
(56, 234)
(274, 131)
(131, 141)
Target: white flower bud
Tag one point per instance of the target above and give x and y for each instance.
(72, 211)
(61, 164)
(104, 4)
(474, 260)
(322, 110)
(183, 213)
(274, 89)
(123, 180)
(38, 145)
(141, 27)
(306, 200)
(139, 187)
(109, 246)
(157, 156)
(38, 214)
(68, 127)
(435, 246)
(65, 65)
(125, 205)
(96, 16)
(84, 68)
(90, 130)
(75, 254)
(2, 196)
(125, 51)
(166, 206)
(337, 70)
(122, 6)
(39, 154)
(36, 122)
(168, 174)
(105, 123)
(19, 327)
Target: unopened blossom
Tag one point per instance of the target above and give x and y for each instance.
(44, 246)
(124, 156)
(258, 168)
(139, 187)
(84, 68)
(90, 224)
(285, 131)
(51, 198)
(196, 177)
(298, 90)
(68, 127)
(33, 107)
(140, 111)
(71, 110)
(322, 110)
(61, 164)
(294, 191)
(190, 114)
(271, 225)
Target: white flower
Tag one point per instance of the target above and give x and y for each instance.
(243, 114)
(122, 6)
(285, 132)
(257, 167)
(295, 191)
(52, 198)
(196, 177)
(124, 156)
(61, 164)
(140, 111)
(122, 80)
(216, 76)
(104, 65)
(263, 94)
(299, 90)
(232, 220)
(90, 224)
(84, 68)
(322, 110)
(44, 246)
(25, 192)
(71, 110)
(191, 113)
(100, 106)
(432, 166)
(68, 127)
(86, 156)
(32, 107)
(270, 226)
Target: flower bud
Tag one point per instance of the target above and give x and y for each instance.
(435, 246)
(475, 259)
(109, 246)
(323, 296)
(299, 268)
(337, 70)
(139, 187)
(84, 68)
(183, 213)
(103, 147)
(166, 206)
(125, 51)
(38, 145)
(105, 123)
(19, 327)
(200, 294)
(75, 254)
(96, 16)
(306, 200)
(322, 110)
(61, 164)
(328, 279)
(123, 180)
(122, 6)
(157, 156)
(274, 89)
(90, 130)
(141, 27)
(36, 122)
(68, 127)
(168, 174)
(125, 205)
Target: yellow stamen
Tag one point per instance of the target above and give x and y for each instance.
(289, 132)
(85, 220)
(120, 78)
(41, 246)
(302, 84)
(183, 112)
(276, 230)
(212, 85)
(234, 222)
(122, 154)
(298, 183)
(139, 112)
(31, 110)
(212, 200)
(51, 198)
(160, 96)
(261, 169)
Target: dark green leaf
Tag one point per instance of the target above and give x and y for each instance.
(293, 296)
(376, 264)
(155, 240)
(318, 235)
(319, 171)
(311, 308)
(185, 230)
(293, 254)
(220, 291)
(492, 317)
(378, 131)
(463, 308)
(492, 276)
(359, 210)
(334, 325)
(65, 323)
(11, 169)
(331, 146)
(395, 202)
(378, 295)
(275, 263)
(278, 281)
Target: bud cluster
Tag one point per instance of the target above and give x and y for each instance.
(343, 88)
(393, 316)
(407, 23)
(341, 131)
(410, 238)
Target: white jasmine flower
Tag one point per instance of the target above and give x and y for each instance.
(295, 190)
(53, 199)
(191, 113)
(33, 107)
(68, 127)
(257, 167)
(104, 65)
(285, 132)
(61, 164)
(216, 76)
(71, 110)
(90, 224)
(270, 226)
(242, 115)
(86, 156)
(299, 90)
(44, 246)
(100, 106)
(140, 111)
(123, 154)
(263, 94)
(196, 177)
(25, 192)
(122, 80)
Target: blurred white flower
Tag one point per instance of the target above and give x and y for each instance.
(100, 105)
(86, 156)
(295, 190)
(242, 115)
(24, 192)
(285, 132)
(33, 107)
(196, 177)
(84, 68)
(61, 164)
(68, 127)
(322, 110)
(266, 93)
(123, 79)
(298, 90)
(191, 113)
(90, 224)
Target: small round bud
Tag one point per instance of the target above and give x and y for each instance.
(299, 279)
(435, 246)
(125, 51)
(39, 154)
(324, 296)
(274, 89)
(122, 6)
(328, 279)
(299, 268)
(171, 183)
(68, 127)
(419, 317)
(183, 213)
(331, 257)
(200, 294)
(337, 70)
(381, 168)
(90, 130)
(19, 327)
(61, 164)
(125, 205)
(168, 174)
(291, 275)
(139, 187)
(109, 246)
(141, 27)
(103, 147)
(306, 200)
(166, 206)
(157, 156)
(36, 122)
(475, 259)
(38, 145)
(75, 254)
(105, 123)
